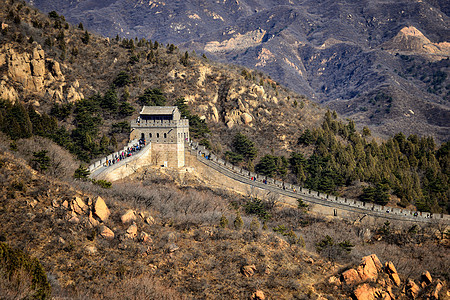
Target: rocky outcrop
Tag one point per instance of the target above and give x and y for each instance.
(34, 74)
(237, 41)
(366, 271)
(390, 269)
(411, 39)
(370, 281)
(350, 276)
(412, 289)
(365, 292)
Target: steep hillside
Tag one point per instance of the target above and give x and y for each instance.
(69, 96)
(339, 53)
(82, 91)
(58, 65)
(153, 238)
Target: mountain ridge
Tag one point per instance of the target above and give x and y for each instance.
(292, 40)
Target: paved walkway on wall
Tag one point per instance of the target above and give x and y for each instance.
(103, 170)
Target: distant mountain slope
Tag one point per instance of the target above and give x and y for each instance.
(339, 53)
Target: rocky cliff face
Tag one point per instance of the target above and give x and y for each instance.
(32, 75)
(371, 280)
(339, 53)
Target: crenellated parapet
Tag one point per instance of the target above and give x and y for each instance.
(138, 123)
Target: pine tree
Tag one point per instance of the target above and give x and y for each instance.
(238, 222)
(254, 225)
(223, 222)
(86, 37)
(81, 173)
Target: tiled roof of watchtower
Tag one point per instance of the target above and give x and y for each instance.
(158, 110)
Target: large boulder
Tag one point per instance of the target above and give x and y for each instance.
(426, 278)
(101, 210)
(92, 220)
(367, 292)
(369, 267)
(106, 233)
(366, 271)
(437, 289)
(128, 216)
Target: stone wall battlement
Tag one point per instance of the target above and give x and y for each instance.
(310, 196)
(160, 123)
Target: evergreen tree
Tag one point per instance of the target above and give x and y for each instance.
(122, 79)
(223, 222)
(86, 37)
(81, 173)
(238, 222)
(41, 161)
(152, 97)
(244, 146)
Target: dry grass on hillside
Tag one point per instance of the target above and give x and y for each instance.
(189, 254)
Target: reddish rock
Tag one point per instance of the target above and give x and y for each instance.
(128, 217)
(396, 279)
(376, 262)
(101, 210)
(391, 293)
(92, 220)
(65, 204)
(437, 289)
(106, 233)
(131, 231)
(390, 269)
(426, 278)
(258, 295)
(248, 271)
(369, 267)
(412, 289)
(79, 206)
(350, 277)
(364, 292)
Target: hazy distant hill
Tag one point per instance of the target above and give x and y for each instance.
(340, 53)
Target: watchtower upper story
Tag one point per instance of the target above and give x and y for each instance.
(160, 125)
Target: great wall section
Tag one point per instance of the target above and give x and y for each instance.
(221, 174)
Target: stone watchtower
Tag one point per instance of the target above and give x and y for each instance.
(166, 131)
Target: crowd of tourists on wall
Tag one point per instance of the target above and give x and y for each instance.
(125, 153)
